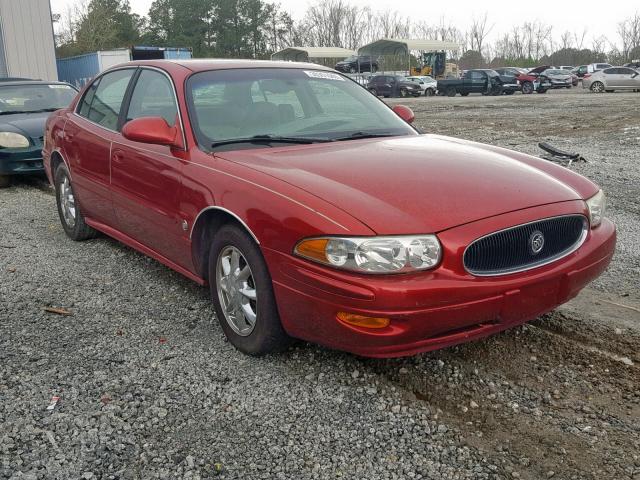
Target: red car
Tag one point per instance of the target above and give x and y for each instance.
(314, 211)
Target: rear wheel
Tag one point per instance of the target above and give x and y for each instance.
(5, 181)
(242, 294)
(597, 87)
(542, 90)
(69, 212)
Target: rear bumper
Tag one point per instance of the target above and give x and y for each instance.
(22, 161)
(430, 310)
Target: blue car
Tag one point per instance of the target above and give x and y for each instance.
(24, 108)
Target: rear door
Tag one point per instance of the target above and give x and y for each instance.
(628, 78)
(146, 178)
(87, 143)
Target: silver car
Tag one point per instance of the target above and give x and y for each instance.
(558, 78)
(429, 84)
(610, 79)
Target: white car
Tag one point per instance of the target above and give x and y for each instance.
(595, 67)
(429, 84)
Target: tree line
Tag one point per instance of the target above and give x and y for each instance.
(257, 28)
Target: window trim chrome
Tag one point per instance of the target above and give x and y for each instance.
(137, 67)
(531, 266)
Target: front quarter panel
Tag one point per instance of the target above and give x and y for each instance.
(277, 214)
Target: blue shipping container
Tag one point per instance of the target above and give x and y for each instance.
(80, 69)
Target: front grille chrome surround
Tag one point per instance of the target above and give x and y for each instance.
(502, 252)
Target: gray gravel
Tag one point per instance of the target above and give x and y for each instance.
(149, 388)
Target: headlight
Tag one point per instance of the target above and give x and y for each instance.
(374, 254)
(597, 205)
(13, 140)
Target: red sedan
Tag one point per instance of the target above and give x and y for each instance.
(314, 211)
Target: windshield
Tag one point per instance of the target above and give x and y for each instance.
(281, 102)
(35, 98)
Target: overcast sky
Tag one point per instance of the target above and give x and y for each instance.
(597, 16)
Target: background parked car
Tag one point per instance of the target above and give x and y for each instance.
(529, 83)
(580, 71)
(635, 64)
(428, 84)
(594, 67)
(357, 63)
(393, 86)
(610, 79)
(24, 108)
(484, 81)
(557, 78)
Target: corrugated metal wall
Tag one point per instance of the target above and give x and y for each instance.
(27, 39)
(78, 70)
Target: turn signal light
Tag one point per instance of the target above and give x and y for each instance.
(363, 321)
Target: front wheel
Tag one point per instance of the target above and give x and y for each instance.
(69, 212)
(451, 92)
(5, 181)
(242, 294)
(527, 88)
(597, 87)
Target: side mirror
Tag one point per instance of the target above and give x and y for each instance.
(154, 130)
(405, 113)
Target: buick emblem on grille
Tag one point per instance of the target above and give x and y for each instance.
(536, 242)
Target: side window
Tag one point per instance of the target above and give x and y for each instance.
(85, 103)
(610, 71)
(153, 97)
(108, 97)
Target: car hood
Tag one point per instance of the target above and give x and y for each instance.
(413, 184)
(29, 124)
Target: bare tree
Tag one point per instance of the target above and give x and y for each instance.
(479, 31)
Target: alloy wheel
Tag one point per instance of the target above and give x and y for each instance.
(597, 87)
(67, 202)
(236, 291)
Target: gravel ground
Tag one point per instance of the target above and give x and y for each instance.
(149, 388)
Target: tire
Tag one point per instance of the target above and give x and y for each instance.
(495, 91)
(5, 181)
(597, 87)
(403, 93)
(509, 92)
(465, 94)
(429, 92)
(527, 88)
(69, 211)
(266, 335)
(353, 70)
(451, 92)
(542, 90)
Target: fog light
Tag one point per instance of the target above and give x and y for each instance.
(362, 321)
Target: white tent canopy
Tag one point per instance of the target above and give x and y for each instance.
(402, 46)
(303, 54)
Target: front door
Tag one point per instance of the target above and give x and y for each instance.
(145, 178)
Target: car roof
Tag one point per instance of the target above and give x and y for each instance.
(204, 64)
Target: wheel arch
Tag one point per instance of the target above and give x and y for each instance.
(207, 222)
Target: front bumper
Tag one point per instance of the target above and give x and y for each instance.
(436, 309)
(14, 161)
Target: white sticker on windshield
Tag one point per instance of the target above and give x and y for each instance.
(324, 75)
(58, 86)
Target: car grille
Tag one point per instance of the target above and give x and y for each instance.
(525, 246)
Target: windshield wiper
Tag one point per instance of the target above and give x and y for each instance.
(271, 139)
(359, 135)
